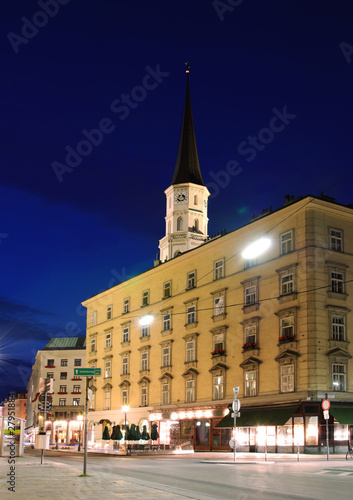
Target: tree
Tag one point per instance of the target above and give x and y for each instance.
(116, 434)
(154, 432)
(145, 434)
(106, 433)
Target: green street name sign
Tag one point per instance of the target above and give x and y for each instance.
(88, 372)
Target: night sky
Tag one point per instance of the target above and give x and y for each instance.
(272, 93)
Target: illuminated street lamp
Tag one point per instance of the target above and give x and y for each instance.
(80, 419)
(146, 320)
(256, 248)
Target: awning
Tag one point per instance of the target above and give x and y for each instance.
(342, 413)
(260, 416)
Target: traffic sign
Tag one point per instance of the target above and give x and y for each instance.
(88, 372)
(326, 404)
(326, 414)
(41, 398)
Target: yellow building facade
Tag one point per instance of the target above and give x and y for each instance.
(174, 341)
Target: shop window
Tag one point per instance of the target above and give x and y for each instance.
(312, 431)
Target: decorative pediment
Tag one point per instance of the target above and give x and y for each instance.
(287, 353)
(218, 366)
(250, 361)
(107, 386)
(190, 371)
(166, 375)
(338, 351)
(125, 382)
(144, 380)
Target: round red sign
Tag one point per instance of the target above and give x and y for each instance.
(326, 404)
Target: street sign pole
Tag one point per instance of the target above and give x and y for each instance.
(86, 430)
(325, 405)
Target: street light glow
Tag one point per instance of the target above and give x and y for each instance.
(256, 248)
(146, 320)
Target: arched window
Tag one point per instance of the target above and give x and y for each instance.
(180, 224)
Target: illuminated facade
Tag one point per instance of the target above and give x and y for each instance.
(58, 360)
(278, 326)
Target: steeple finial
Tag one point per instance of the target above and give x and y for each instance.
(187, 68)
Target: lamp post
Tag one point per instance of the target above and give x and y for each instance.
(125, 409)
(80, 419)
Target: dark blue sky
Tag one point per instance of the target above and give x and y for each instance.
(61, 242)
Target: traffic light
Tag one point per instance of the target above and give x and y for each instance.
(49, 385)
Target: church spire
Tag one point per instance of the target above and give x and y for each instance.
(187, 167)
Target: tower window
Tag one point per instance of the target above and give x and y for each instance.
(180, 224)
(195, 199)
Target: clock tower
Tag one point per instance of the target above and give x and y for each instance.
(186, 219)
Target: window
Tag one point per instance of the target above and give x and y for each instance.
(218, 342)
(190, 391)
(93, 345)
(50, 375)
(143, 395)
(250, 295)
(166, 322)
(337, 282)
(336, 240)
(145, 298)
(339, 377)
(287, 326)
(107, 369)
(109, 312)
(250, 334)
(218, 305)
(145, 331)
(126, 335)
(63, 375)
(286, 284)
(218, 271)
(77, 388)
(250, 263)
(76, 401)
(191, 315)
(63, 388)
(190, 351)
(125, 365)
(180, 224)
(196, 225)
(50, 362)
(195, 199)
(287, 242)
(166, 356)
(124, 397)
(218, 387)
(167, 289)
(165, 393)
(250, 383)
(287, 378)
(106, 400)
(191, 280)
(63, 362)
(338, 327)
(94, 318)
(108, 339)
(77, 362)
(144, 361)
(126, 307)
(62, 402)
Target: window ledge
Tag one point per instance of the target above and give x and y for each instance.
(188, 326)
(166, 332)
(92, 353)
(144, 305)
(251, 307)
(144, 339)
(219, 317)
(287, 297)
(339, 343)
(125, 344)
(337, 296)
(107, 349)
(247, 353)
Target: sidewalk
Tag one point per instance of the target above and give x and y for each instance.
(56, 481)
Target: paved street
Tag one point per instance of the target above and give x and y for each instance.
(200, 476)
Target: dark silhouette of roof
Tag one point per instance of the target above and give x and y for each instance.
(65, 343)
(187, 167)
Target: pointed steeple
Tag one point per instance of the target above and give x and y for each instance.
(187, 167)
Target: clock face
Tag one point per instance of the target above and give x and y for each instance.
(181, 197)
